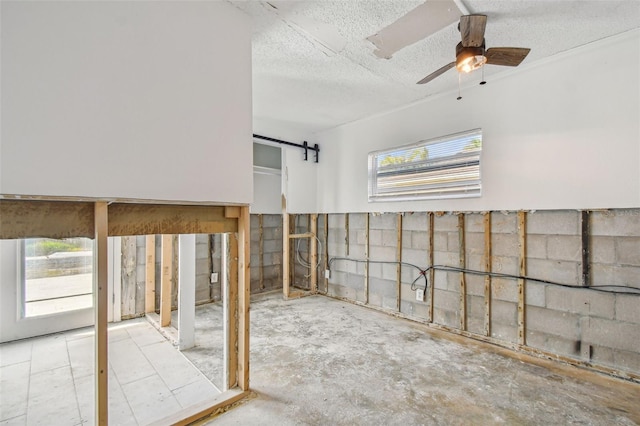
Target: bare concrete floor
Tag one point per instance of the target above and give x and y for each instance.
(321, 361)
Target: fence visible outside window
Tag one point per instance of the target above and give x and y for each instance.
(446, 167)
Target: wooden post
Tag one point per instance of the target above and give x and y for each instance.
(366, 256)
(232, 311)
(244, 290)
(346, 234)
(432, 274)
(399, 259)
(522, 240)
(463, 283)
(487, 278)
(261, 250)
(166, 283)
(150, 275)
(285, 250)
(326, 251)
(314, 253)
(100, 289)
(586, 250)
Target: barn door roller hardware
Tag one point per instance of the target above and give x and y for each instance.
(303, 145)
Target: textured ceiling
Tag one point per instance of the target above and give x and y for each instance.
(314, 69)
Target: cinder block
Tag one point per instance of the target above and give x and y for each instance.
(628, 309)
(626, 275)
(552, 343)
(383, 288)
(375, 270)
(534, 294)
(253, 220)
(505, 332)
(581, 301)
(346, 292)
(475, 285)
(446, 223)
(453, 242)
(272, 220)
(613, 334)
(383, 221)
(382, 253)
(389, 238)
(504, 223)
(564, 247)
(441, 281)
(559, 271)
(504, 245)
(440, 241)
(628, 250)
(628, 360)
(357, 220)
(504, 289)
(445, 258)
(475, 261)
(475, 307)
(446, 300)
(602, 355)
(419, 240)
(406, 239)
(389, 271)
(355, 281)
(616, 223)
(505, 265)
(504, 312)
(453, 281)
(536, 246)
(375, 237)
(444, 317)
(416, 221)
(474, 243)
(548, 321)
(417, 257)
(272, 234)
(558, 222)
(357, 251)
(603, 250)
(474, 222)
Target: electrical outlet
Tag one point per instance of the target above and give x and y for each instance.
(214, 277)
(420, 295)
(327, 273)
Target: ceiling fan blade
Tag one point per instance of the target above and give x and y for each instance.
(426, 19)
(472, 30)
(507, 56)
(437, 73)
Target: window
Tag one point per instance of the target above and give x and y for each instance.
(446, 167)
(57, 275)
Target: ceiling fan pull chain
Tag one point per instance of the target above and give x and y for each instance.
(459, 79)
(483, 82)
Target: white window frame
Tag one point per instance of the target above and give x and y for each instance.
(450, 173)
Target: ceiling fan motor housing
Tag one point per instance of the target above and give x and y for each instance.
(470, 58)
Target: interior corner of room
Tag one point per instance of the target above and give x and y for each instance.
(461, 250)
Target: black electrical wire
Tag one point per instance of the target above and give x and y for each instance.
(423, 273)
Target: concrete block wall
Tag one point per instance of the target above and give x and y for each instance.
(271, 260)
(586, 325)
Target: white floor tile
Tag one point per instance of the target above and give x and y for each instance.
(52, 396)
(128, 362)
(196, 392)
(15, 352)
(171, 365)
(14, 389)
(81, 356)
(16, 421)
(150, 399)
(144, 334)
(49, 353)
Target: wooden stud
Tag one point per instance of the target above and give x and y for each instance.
(261, 251)
(432, 272)
(314, 254)
(522, 240)
(399, 259)
(487, 278)
(232, 212)
(586, 249)
(166, 283)
(462, 264)
(302, 235)
(232, 311)
(128, 277)
(292, 251)
(326, 251)
(100, 286)
(50, 219)
(285, 250)
(150, 274)
(366, 256)
(346, 234)
(244, 290)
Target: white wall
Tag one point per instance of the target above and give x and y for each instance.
(563, 133)
(140, 100)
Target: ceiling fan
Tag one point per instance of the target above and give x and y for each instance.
(471, 53)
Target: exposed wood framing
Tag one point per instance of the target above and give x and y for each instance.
(399, 259)
(286, 258)
(244, 289)
(432, 274)
(487, 278)
(326, 251)
(46, 219)
(314, 253)
(522, 246)
(302, 235)
(462, 264)
(346, 234)
(366, 256)
(100, 286)
(166, 282)
(261, 251)
(150, 274)
(128, 277)
(586, 249)
(292, 251)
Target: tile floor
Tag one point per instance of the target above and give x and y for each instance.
(49, 380)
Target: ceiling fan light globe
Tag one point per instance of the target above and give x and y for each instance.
(471, 63)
